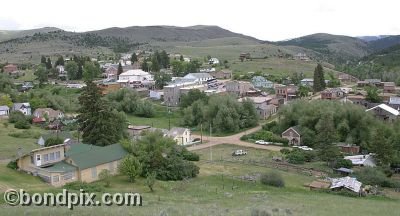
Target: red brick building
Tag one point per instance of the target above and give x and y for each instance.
(10, 68)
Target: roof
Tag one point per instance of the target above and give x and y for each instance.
(61, 166)
(51, 112)
(63, 135)
(386, 108)
(332, 90)
(18, 106)
(136, 72)
(358, 159)
(307, 80)
(394, 100)
(256, 99)
(4, 108)
(139, 127)
(345, 170)
(347, 182)
(197, 76)
(175, 131)
(87, 156)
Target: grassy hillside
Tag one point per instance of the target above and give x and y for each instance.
(332, 48)
(9, 34)
(384, 43)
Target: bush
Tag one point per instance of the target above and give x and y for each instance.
(267, 136)
(272, 179)
(105, 176)
(375, 176)
(16, 116)
(343, 163)
(90, 188)
(12, 165)
(190, 156)
(296, 157)
(22, 124)
(53, 141)
(285, 151)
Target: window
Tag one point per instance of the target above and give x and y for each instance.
(45, 158)
(56, 178)
(57, 155)
(52, 156)
(38, 157)
(69, 175)
(94, 172)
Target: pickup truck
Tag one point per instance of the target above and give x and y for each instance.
(239, 152)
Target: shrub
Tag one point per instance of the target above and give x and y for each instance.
(53, 141)
(190, 156)
(343, 163)
(16, 116)
(105, 176)
(285, 151)
(374, 176)
(267, 136)
(22, 124)
(296, 157)
(12, 165)
(272, 179)
(90, 188)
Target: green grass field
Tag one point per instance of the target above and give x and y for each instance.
(218, 190)
(9, 145)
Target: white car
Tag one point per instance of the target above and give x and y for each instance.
(261, 142)
(239, 152)
(305, 148)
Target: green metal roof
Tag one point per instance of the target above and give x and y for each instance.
(60, 167)
(86, 156)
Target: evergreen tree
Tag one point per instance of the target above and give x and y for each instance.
(326, 137)
(181, 58)
(43, 60)
(79, 75)
(155, 67)
(319, 79)
(120, 70)
(98, 123)
(41, 74)
(145, 65)
(48, 64)
(134, 58)
(164, 58)
(72, 69)
(60, 61)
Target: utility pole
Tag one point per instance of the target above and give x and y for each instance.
(201, 132)
(210, 144)
(169, 118)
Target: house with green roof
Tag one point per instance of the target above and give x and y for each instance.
(61, 164)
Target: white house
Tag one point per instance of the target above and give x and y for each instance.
(213, 61)
(4, 110)
(134, 75)
(198, 77)
(180, 135)
(385, 112)
(25, 108)
(362, 160)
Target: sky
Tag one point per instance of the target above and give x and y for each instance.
(271, 20)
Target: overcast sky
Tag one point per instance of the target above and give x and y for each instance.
(264, 19)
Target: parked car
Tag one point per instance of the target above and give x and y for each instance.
(239, 152)
(305, 148)
(261, 142)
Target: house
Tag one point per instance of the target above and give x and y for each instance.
(48, 113)
(25, 108)
(362, 160)
(182, 136)
(4, 110)
(198, 77)
(135, 78)
(134, 130)
(173, 91)
(238, 88)
(385, 112)
(394, 102)
(389, 87)
(346, 78)
(61, 164)
(261, 82)
(366, 82)
(222, 74)
(66, 136)
(293, 135)
(348, 148)
(265, 111)
(10, 68)
(38, 120)
(111, 72)
(244, 56)
(288, 92)
(307, 82)
(213, 61)
(332, 94)
(346, 183)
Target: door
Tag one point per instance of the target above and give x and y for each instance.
(38, 160)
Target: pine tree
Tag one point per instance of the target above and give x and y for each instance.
(120, 70)
(319, 79)
(98, 123)
(43, 60)
(327, 135)
(48, 64)
(134, 58)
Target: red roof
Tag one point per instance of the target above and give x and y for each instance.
(38, 120)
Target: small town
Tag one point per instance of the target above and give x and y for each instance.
(200, 120)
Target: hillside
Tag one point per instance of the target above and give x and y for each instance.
(384, 43)
(8, 34)
(332, 48)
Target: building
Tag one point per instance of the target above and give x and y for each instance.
(135, 78)
(286, 92)
(307, 82)
(61, 164)
(292, 134)
(156, 94)
(385, 112)
(332, 94)
(238, 88)
(25, 108)
(367, 82)
(348, 148)
(394, 102)
(4, 111)
(48, 113)
(134, 130)
(182, 136)
(198, 77)
(213, 61)
(65, 135)
(362, 160)
(301, 56)
(347, 183)
(222, 74)
(389, 87)
(10, 68)
(265, 111)
(111, 73)
(173, 91)
(345, 78)
(261, 82)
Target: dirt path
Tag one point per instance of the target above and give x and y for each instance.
(232, 139)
